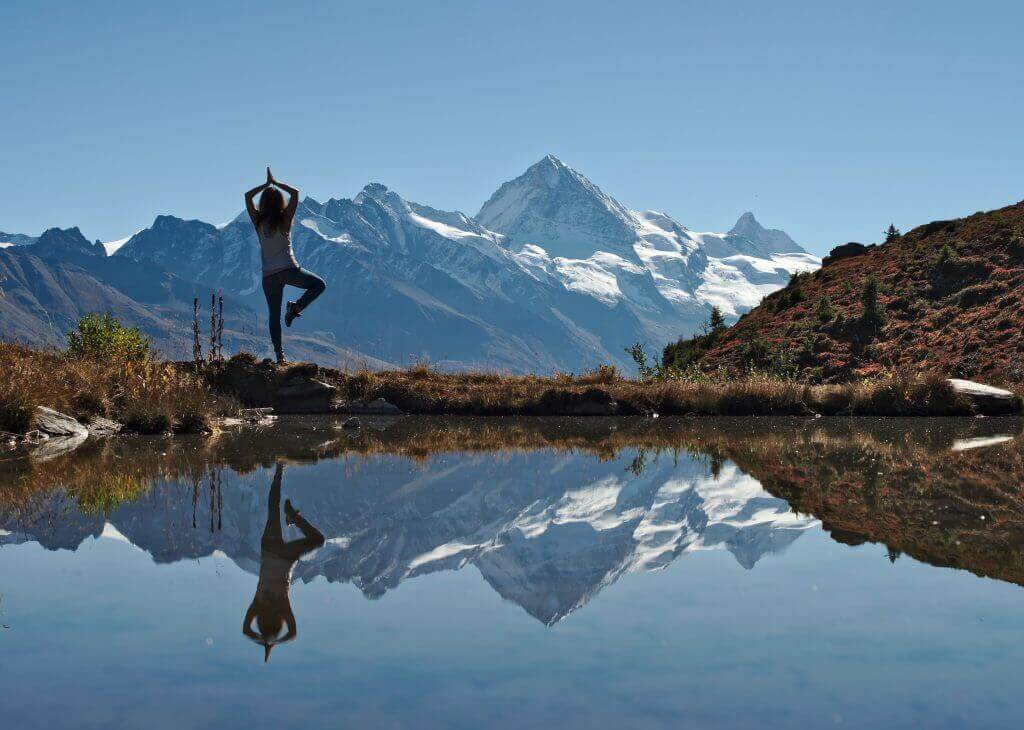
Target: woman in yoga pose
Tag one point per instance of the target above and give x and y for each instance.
(272, 219)
(271, 608)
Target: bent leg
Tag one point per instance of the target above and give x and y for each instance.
(310, 534)
(273, 289)
(312, 538)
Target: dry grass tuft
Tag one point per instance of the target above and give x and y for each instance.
(422, 390)
(148, 396)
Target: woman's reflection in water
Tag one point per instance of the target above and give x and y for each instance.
(270, 607)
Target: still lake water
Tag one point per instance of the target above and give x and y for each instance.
(520, 573)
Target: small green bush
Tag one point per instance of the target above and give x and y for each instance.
(684, 354)
(103, 337)
(824, 312)
(872, 314)
(791, 295)
(946, 254)
(643, 366)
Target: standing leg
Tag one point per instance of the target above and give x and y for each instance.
(272, 535)
(273, 288)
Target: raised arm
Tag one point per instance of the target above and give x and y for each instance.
(289, 620)
(247, 624)
(293, 196)
(249, 195)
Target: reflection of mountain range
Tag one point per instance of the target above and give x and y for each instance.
(546, 530)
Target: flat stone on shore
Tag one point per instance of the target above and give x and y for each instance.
(987, 399)
(55, 423)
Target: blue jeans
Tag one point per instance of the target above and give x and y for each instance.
(273, 288)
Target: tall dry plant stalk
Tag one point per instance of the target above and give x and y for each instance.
(220, 328)
(213, 327)
(197, 346)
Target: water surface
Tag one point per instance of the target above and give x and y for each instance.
(510, 573)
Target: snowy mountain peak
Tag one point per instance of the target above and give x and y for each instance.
(554, 205)
(382, 195)
(374, 190)
(764, 240)
(745, 222)
(311, 204)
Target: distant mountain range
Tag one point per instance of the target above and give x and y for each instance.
(551, 274)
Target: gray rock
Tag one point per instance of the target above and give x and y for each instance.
(100, 426)
(306, 395)
(986, 399)
(55, 423)
(846, 251)
(351, 423)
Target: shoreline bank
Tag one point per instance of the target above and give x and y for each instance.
(53, 397)
(419, 390)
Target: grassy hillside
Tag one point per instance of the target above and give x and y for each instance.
(945, 296)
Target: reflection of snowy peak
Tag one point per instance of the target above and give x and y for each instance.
(556, 557)
(547, 531)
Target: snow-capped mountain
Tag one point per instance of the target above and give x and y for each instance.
(562, 224)
(15, 239)
(551, 274)
(546, 530)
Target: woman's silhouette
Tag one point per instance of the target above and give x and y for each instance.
(270, 606)
(273, 223)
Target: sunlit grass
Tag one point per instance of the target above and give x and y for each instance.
(147, 395)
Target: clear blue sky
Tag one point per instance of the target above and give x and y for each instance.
(828, 120)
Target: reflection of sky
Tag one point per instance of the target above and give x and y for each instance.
(104, 634)
(812, 633)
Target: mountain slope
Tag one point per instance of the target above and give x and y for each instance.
(41, 300)
(49, 284)
(948, 299)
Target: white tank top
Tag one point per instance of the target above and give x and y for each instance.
(276, 251)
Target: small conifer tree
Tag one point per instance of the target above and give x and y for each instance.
(716, 321)
(872, 314)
